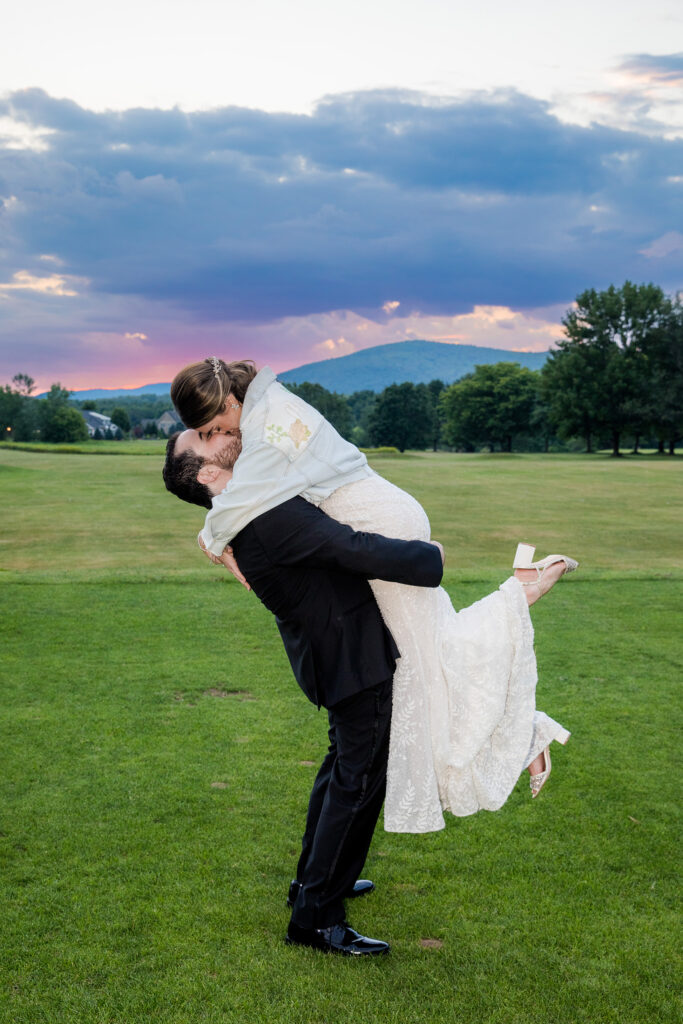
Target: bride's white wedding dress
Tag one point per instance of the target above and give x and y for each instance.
(464, 722)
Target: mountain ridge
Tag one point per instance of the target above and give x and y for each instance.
(416, 361)
(372, 369)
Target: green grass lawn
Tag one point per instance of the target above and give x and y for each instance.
(155, 766)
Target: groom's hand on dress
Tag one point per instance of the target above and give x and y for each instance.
(440, 547)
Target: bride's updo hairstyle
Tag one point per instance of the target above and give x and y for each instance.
(199, 391)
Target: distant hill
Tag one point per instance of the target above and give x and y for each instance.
(418, 361)
(146, 389)
(374, 368)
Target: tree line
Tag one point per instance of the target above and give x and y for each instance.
(56, 417)
(615, 377)
(53, 418)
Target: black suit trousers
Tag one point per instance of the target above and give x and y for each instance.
(345, 803)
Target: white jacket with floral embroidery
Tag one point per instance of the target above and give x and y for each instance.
(288, 448)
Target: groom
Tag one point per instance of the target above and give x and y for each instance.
(312, 573)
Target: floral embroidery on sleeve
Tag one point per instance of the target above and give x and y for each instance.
(298, 432)
(275, 433)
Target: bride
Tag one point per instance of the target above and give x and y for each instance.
(464, 723)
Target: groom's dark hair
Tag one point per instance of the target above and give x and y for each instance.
(180, 474)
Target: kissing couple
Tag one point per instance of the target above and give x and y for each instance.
(430, 710)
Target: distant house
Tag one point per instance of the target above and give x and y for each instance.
(169, 422)
(95, 421)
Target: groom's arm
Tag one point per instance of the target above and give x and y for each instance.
(298, 533)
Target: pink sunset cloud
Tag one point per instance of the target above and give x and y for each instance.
(132, 358)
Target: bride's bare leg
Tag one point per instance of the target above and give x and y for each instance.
(537, 765)
(533, 592)
(550, 578)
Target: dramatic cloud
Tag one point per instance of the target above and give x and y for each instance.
(666, 69)
(238, 222)
(645, 95)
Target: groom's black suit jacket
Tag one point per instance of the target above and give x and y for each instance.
(312, 573)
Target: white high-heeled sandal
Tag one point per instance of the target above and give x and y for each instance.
(523, 560)
(537, 782)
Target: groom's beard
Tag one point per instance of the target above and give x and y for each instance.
(227, 455)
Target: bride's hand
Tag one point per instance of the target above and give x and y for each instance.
(440, 547)
(228, 560)
(212, 558)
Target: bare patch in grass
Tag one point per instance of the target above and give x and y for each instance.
(219, 785)
(214, 691)
(431, 943)
(307, 764)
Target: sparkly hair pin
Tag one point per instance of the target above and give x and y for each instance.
(216, 363)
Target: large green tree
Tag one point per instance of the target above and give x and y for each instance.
(65, 424)
(59, 421)
(403, 416)
(599, 381)
(570, 390)
(490, 406)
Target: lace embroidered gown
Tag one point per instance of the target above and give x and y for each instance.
(464, 723)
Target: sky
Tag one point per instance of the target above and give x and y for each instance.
(293, 182)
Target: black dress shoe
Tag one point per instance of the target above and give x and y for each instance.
(340, 938)
(360, 888)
